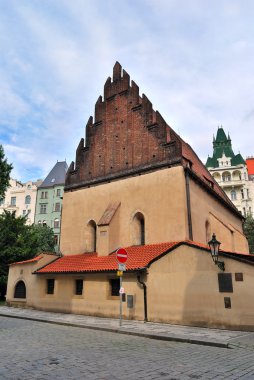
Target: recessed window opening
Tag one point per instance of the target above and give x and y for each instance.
(50, 286)
(139, 229)
(79, 287)
(115, 286)
(92, 236)
(20, 290)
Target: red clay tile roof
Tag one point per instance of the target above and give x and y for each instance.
(138, 257)
(203, 173)
(250, 165)
(34, 259)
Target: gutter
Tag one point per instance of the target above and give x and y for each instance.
(187, 186)
(145, 294)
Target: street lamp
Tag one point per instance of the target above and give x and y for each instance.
(214, 245)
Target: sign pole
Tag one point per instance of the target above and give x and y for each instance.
(121, 257)
(121, 302)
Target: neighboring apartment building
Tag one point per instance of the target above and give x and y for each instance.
(49, 200)
(250, 167)
(21, 198)
(230, 171)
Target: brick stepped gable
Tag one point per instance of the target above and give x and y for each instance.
(125, 138)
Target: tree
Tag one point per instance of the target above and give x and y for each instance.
(19, 242)
(249, 231)
(5, 170)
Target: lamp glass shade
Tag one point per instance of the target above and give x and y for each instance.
(214, 245)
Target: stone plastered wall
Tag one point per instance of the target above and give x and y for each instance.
(183, 289)
(159, 196)
(222, 222)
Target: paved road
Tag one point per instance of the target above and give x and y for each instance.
(34, 350)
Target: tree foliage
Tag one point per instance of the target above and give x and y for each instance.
(5, 170)
(249, 232)
(19, 242)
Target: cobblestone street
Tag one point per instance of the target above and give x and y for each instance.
(34, 350)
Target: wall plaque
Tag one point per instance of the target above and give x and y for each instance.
(225, 282)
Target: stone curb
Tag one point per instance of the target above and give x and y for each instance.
(127, 332)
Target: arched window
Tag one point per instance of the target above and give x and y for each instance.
(226, 177)
(233, 195)
(20, 290)
(138, 229)
(44, 223)
(91, 236)
(28, 200)
(56, 223)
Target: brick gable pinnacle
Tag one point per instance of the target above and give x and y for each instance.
(126, 136)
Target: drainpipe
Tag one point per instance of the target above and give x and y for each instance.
(187, 184)
(145, 295)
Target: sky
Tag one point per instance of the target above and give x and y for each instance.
(193, 59)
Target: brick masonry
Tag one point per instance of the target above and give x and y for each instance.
(125, 136)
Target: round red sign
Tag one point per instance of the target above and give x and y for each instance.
(121, 255)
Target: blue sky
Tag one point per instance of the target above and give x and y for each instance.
(193, 59)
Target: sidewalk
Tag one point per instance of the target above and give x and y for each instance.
(160, 331)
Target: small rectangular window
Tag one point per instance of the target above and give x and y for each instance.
(55, 239)
(13, 201)
(46, 195)
(42, 194)
(58, 192)
(57, 207)
(115, 286)
(50, 286)
(43, 208)
(79, 287)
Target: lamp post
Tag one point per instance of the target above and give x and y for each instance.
(214, 245)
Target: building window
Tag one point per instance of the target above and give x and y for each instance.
(56, 239)
(44, 195)
(56, 223)
(58, 192)
(248, 195)
(50, 286)
(115, 286)
(91, 234)
(13, 201)
(43, 208)
(138, 229)
(233, 195)
(28, 200)
(57, 207)
(1, 202)
(79, 287)
(20, 290)
(226, 177)
(244, 211)
(44, 223)
(242, 193)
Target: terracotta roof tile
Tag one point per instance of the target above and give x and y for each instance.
(138, 257)
(34, 259)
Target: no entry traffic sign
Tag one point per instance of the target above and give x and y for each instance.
(121, 255)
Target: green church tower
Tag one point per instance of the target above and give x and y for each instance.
(230, 171)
